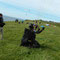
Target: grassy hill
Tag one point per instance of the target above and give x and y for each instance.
(10, 48)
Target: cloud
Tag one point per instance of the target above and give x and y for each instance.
(45, 5)
(43, 8)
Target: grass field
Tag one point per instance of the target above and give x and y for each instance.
(10, 48)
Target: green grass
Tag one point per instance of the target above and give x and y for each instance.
(10, 48)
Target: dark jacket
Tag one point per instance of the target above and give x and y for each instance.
(1, 22)
(31, 35)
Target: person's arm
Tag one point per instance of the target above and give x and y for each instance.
(39, 31)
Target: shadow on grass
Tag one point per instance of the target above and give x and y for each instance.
(47, 47)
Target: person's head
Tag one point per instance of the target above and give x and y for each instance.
(1, 15)
(31, 26)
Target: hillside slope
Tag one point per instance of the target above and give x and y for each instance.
(49, 39)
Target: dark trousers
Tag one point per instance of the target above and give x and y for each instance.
(30, 43)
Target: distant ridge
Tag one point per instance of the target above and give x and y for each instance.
(8, 18)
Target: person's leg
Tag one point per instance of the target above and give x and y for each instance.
(25, 42)
(1, 31)
(36, 44)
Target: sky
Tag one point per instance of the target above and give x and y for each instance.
(48, 10)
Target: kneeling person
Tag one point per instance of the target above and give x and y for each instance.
(29, 36)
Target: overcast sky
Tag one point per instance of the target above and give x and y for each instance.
(31, 9)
